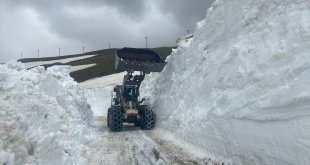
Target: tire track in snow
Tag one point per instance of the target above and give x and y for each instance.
(134, 146)
(176, 154)
(114, 147)
(130, 146)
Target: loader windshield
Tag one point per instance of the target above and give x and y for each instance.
(130, 93)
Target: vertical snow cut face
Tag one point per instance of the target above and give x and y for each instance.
(240, 89)
(44, 116)
(99, 99)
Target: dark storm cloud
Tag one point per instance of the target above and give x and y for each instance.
(49, 24)
(95, 30)
(132, 8)
(186, 12)
(60, 22)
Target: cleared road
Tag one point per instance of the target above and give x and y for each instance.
(135, 146)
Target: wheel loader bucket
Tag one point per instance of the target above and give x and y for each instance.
(132, 59)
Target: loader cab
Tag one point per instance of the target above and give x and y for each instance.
(131, 93)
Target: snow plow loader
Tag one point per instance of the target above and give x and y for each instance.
(126, 106)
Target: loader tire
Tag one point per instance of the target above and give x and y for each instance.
(116, 119)
(148, 118)
(109, 116)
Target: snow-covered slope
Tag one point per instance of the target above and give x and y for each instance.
(44, 117)
(240, 89)
(104, 81)
(37, 63)
(80, 67)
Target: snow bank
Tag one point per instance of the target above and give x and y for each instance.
(44, 116)
(240, 89)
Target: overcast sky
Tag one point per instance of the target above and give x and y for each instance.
(47, 25)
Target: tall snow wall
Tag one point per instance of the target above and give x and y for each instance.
(240, 89)
(44, 117)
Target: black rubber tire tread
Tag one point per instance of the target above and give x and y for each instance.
(116, 119)
(108, 118)
(148, 118)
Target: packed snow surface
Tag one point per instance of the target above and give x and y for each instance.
(240, 89)
(66, 60)
(44, 117)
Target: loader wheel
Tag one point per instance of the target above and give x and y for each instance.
(109, 116)
(116, 119)
(147, 118)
